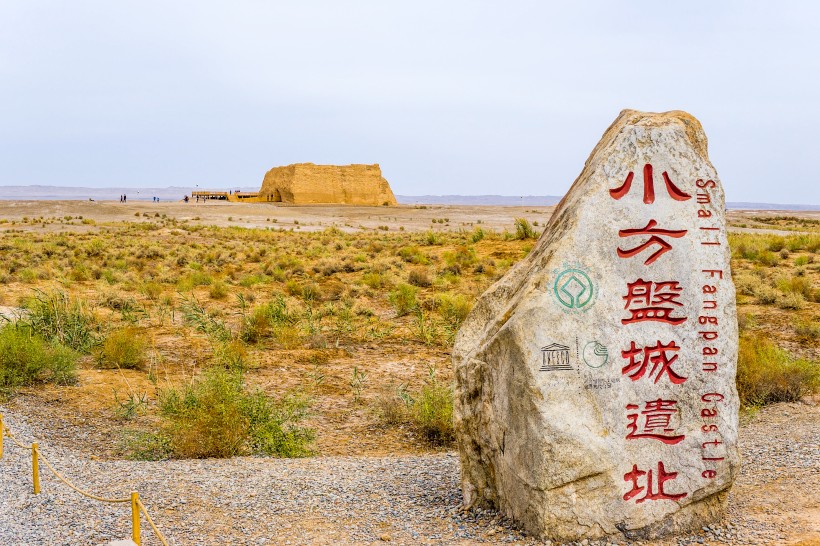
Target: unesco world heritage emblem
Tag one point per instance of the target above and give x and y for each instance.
(574, 289)
(555, 357)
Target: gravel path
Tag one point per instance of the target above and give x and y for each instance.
(349, 500)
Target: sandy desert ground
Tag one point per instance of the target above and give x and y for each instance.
(775, 501)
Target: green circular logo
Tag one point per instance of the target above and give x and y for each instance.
(573, 289)
(595, 354)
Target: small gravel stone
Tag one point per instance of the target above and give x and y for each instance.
(360, 500)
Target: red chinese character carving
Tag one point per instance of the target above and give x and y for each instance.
(649, 494)
(650, 229)
(649, 187)
(646, 299)
(655, 355)
(657, 415)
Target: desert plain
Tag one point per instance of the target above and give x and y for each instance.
(349, 313)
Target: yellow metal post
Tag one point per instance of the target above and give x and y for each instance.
(35, 468)
(135, 517)
(2, 433)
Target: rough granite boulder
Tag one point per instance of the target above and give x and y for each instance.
(595, 382)
(306, 183)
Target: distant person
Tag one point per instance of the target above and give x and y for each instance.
(124, 198)
(185, 198)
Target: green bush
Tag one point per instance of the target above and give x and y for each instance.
(768, 374)
(403, 299)
(26, 359)
(218, 291)
(432, 412)
(216, 415)
(63, 320)
(454, 308)
(195, 314)
(524, 230)
(123, 348)
(266, 320)
(412, 254)
(419, 277)
(461, 258)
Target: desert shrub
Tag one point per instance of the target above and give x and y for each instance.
(776, 244)
(393, 409)
(477, 235)
(461, 258)
(139, 445)
(248, 281)
(373, 279)
(311, 292)
(419, 277)
(28, 276)
(746, 321)
(123, 348)
(26, 358)
(152, 290)
(432, 238)
(256, 325)
(766, 295)
(524, 230)
(218, 291)
(429, 412)
(293, 288)
(194, 279)
(791, 301)
(274, 425)
(217, 415)
(768, 258)
(746, 284)
(232, 355)
(425, 327)
(795, 285)
(195, 314)
(453, 308)
(332, 291)
(272, 319)
(403, 299)
(768, 374)
(63, 320)
(807, 330)
(413, 255)
(432, 411)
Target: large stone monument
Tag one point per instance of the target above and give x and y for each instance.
(306, 183)
(595, 382)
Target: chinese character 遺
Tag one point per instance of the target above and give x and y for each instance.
(652, 301)
(655, 355)
(650, 229)
(656, 416)
(649, 187)
(662, 477)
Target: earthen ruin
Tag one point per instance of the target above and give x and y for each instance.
(307, 183)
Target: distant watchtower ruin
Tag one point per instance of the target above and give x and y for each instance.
(306, 183)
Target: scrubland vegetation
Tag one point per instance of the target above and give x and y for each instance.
(238, 341)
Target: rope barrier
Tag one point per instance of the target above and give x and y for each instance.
(137, 506)
(151, 522)
(74, 487)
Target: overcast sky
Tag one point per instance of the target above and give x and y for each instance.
(449, 97)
